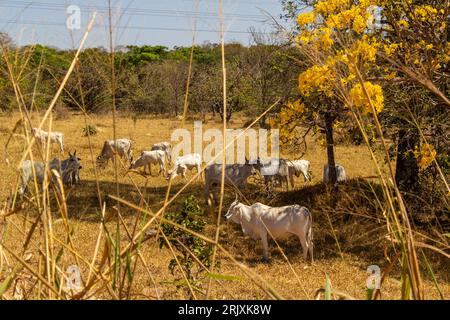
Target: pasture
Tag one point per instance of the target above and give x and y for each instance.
(349, 235)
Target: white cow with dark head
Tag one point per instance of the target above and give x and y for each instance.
(68, 170)
(121, 147)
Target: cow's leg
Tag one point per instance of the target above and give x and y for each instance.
(310, 250)
(206, 194)
(291, 177)
(302, 238)
(208, 197)
(265, 246)
(61, 146)
(24, 186)
(183, 173)
(162, 168)
(305, 175)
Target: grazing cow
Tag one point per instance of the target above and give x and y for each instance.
(340, 173)
(258, 220)
(148, 158)
(67, 169)
(166, 147)
(184, 163)
(235, 175)
(297, 167)
(120, 146)
(275, 171)
(42, 137)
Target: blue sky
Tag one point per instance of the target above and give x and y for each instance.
(166, 22)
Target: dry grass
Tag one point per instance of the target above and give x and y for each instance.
(357, 221)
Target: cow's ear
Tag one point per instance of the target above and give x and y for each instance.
(70, 155)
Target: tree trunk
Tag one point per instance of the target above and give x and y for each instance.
(407, 169)
(332, 178)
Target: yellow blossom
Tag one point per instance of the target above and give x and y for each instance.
(360, 23)
(360, 100)
(306, 18)
(403, 23)
(425, 155)
(390, 48)
(425, 12)
(317, 78)
(326, 7)
(391, 76)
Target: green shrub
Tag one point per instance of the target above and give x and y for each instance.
(89, 130)
(192, 217)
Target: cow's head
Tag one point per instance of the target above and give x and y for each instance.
(74, 160)
(234, 211)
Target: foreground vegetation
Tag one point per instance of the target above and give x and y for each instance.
(348, 235)
(375, 96)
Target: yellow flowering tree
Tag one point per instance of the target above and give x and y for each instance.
(341, 52)
(351, 57)
(355, 62)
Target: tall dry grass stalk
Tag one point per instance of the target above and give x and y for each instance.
(224, 135)
(48, 258)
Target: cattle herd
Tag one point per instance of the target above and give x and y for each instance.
(257, 221)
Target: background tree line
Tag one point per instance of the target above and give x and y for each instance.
(153, 79)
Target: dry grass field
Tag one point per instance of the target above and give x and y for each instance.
(347, 239)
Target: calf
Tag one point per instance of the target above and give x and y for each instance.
(184, 163)
(148, 158)
(121, 147)
(340, 173)
(258, 220)
(42, 137)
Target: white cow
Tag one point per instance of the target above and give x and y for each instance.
(164, 146)
(121, 147)
(43, 136)
(275, 171)
(148, 158)
(340, 173)
(184, 163)
(297, 168)
(235, 175)
(259, 220)
(67, 169)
